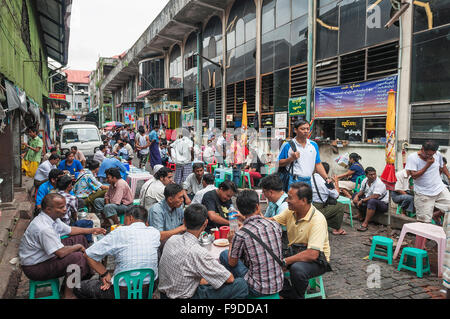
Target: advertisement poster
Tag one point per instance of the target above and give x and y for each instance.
(129, 115)
(280, 120)
(349, 129)
(359, 99)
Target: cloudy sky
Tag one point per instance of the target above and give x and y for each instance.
(107, 28)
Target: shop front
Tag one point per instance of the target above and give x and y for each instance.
(352, 118)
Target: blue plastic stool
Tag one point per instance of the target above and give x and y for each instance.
(382, 241)
(420, 254)
(347, 201)
(313, 283)
(34, 285)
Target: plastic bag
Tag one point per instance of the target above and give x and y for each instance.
(342, 160)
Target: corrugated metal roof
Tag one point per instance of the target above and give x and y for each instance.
(77, 76)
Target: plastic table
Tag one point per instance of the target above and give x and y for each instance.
(215, 251)
(134, 177)
(423, 232)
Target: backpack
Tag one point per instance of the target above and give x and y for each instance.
(286, 171)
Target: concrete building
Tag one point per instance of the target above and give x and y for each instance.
(31, 32)
(77, 94)
(274, 54)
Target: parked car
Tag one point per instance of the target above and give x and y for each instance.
(84, 135)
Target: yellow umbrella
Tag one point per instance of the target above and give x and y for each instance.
(244, 115)
(388, 175)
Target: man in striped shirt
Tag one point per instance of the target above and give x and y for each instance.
(262, 272)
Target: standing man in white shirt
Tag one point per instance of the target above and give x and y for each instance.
(429, 191)
(221, 148)
(182, 153)
(44, 169)
(306, 158)
(372, 198)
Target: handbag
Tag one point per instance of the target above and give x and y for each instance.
(330, 200)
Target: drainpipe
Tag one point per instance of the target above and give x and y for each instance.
(311, 35)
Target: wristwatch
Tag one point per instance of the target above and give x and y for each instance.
(284, 263)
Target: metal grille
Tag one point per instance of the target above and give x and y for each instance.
(382, 61)
(353, 67)
(250, 95)
(219, 107)
(230, 99)
(299, 80)
(327, 72)
(240, 96)
(267, 93)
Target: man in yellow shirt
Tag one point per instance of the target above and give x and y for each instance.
(309, 247)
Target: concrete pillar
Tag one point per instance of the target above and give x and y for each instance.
(16, 144)
(224, 63)
(403, 90)
(199, 77)
(258, 4)
(7, 164)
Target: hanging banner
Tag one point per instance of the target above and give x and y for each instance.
(297, 106)
(129, 115)
(359, 99)
(188, 117)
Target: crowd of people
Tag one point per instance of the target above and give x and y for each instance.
(181, 201)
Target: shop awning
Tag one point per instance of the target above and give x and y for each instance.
(156, 92)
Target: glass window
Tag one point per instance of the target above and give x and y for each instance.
(281, 90)
(250, 30)
(299, 40)
(327, 31)
(239, 63)
(283, 12)
(231, 40)
(268, 16)
(240, 32)
(267, 52)
(380, 35)
(352, 26)
(74, 135)
(430, 79)
(430, 122)
(440, 14)
(250, 59)
(282, 47)
(299, 8)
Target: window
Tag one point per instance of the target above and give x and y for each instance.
(268, 16)
(74, 135)
(175, 68)
(283, 12)
(327, 29)
(430, 78)
(440, 14)
(299, 8)
(352, 25)
(430, 122)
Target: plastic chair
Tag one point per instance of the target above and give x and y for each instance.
(274, 296)
(243, 175)
(313, 284)
(134, 279)
(229, 174)
(121, 218)
(347, 201)
(358, 182)
(419, 255)
(381, 241)
(423, 232)
(53, 283)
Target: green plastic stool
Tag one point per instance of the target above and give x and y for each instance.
(347, 201)
(134, 279)
(313, 284)
(274, 296)
(382, 241)
(243, 175)
(399, 209)
(420, 254)
(218, 181)
(121, 218)
(34, 285)
(358, 182)
(136, 202)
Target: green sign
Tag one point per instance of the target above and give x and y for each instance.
(297, 106)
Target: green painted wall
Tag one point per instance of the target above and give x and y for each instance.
(13, 51)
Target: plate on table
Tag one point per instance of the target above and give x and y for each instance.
(221, 242)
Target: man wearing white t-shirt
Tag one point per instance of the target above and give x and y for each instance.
(182, 152)
(425, 168)
(372, 198)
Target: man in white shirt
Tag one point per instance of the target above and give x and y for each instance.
(425, 167)
(208, 153)
(182, 152)
(372, 198)
(44, 255)
(44, 169)
(220, 148)
(208, 185)
(193, 182)
(133, 246)
(334, 213)
(99, 156)
(152, 191)
(402, 194)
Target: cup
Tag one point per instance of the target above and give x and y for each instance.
(216, 233)
(224, 231)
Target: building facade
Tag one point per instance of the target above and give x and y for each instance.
(269, 54)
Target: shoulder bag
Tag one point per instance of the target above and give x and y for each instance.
(330, 200)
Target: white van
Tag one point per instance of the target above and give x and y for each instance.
(84, 135)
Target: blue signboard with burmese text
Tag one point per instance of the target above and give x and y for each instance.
(354, 100)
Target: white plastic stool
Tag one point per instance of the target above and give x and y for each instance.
(261, 196)
(423, 232)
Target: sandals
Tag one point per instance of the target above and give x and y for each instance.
(342, 232)
(362, 228)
